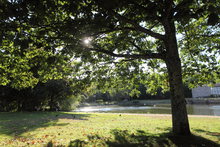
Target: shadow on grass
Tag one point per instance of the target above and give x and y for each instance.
(17, 123)
(123, 138)
(217, 134)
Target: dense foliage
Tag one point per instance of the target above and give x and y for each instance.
(39, 37)
(54, 95)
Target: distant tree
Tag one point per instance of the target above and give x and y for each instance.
(56, 91)
(53, 95)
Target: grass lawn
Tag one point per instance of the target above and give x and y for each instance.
(100, 129)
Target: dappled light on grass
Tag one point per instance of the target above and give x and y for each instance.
(217, 134)
(34, 128)
(124, 138)
(121, 138)
(20, 123)
(206, 127)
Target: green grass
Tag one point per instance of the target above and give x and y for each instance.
(100, 129)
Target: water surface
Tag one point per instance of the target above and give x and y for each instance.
(156, 109)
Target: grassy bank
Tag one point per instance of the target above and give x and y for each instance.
(203, 100)
(99, 129)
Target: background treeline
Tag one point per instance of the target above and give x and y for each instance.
(118, 96)
(56, 95)
(52, 96)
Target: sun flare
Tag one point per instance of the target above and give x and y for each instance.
(87, 40)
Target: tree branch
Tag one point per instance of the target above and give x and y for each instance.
(117, 62)
(112, 30)
(133, 23)
(137, 26)
(136, 46)
(129, 56)
(145, 9)
(206, 36)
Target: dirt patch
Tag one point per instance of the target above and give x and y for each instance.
(166, 115)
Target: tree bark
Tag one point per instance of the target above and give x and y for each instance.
(178, 104)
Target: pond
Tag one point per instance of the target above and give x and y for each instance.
(155, 109)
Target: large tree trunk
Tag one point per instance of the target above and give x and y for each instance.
(178, 104)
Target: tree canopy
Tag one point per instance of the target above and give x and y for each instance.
(125, 30)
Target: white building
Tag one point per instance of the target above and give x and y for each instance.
(206, 91)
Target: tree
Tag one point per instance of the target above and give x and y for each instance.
(53, 95)
(121, 29)
(118, 38)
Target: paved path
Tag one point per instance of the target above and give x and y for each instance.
(168, 115)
